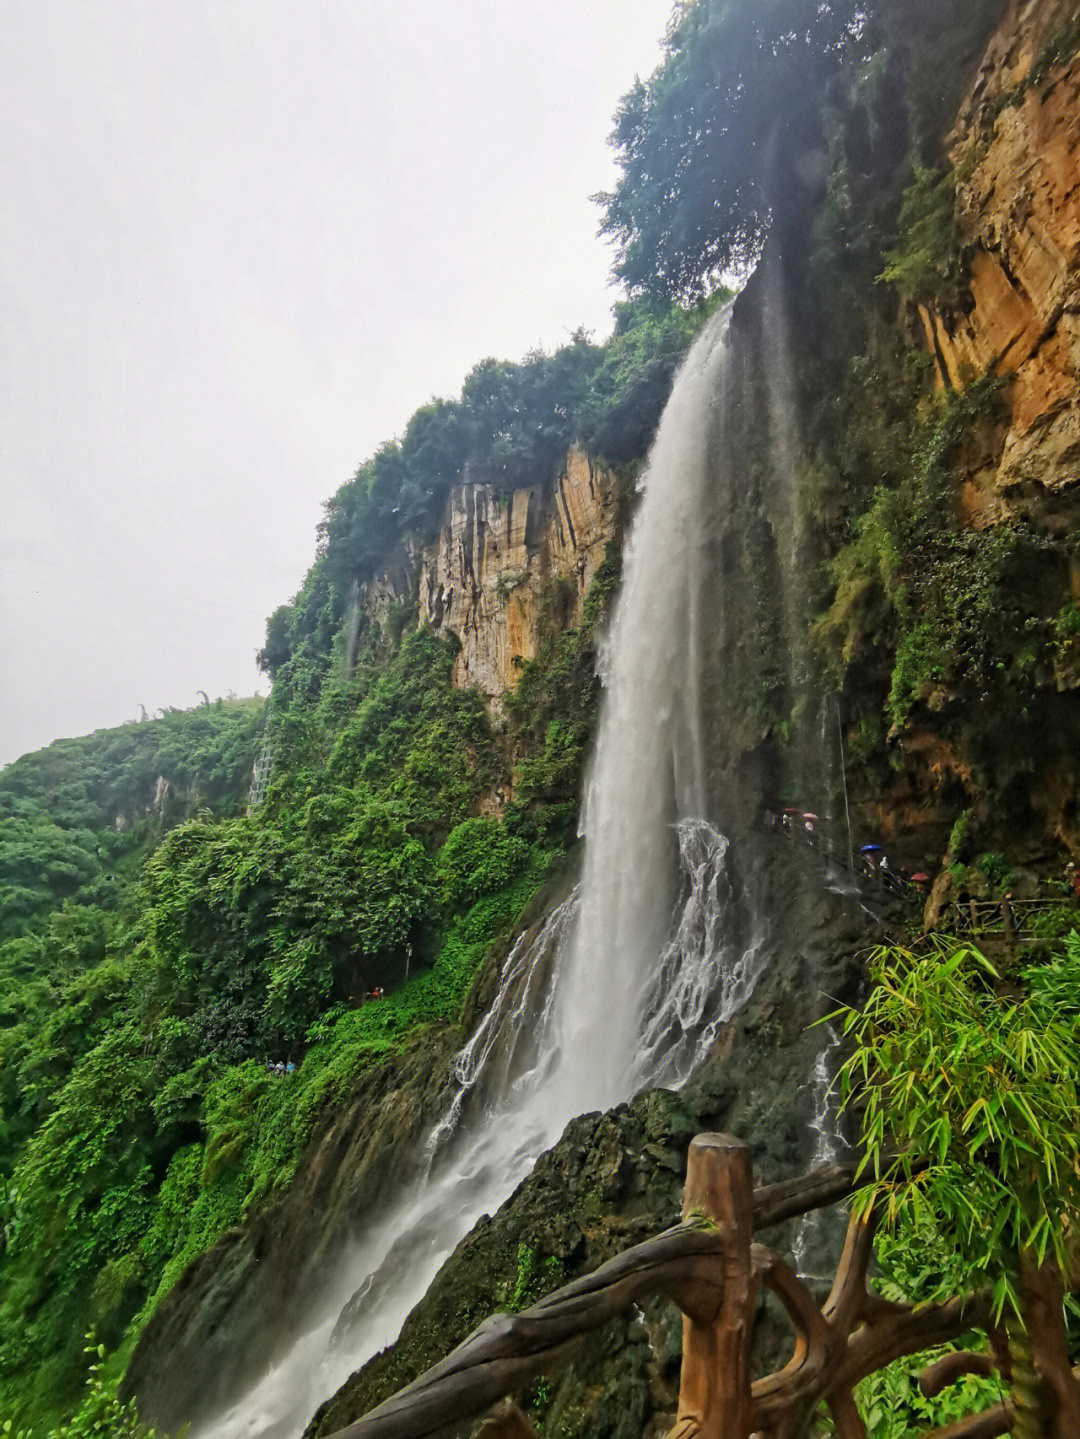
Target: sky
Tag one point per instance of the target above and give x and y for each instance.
(240, 244)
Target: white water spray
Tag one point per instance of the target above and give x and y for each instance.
(622, 988)
(811, 1236)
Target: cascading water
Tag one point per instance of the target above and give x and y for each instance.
(628, 981)
(814, 1243)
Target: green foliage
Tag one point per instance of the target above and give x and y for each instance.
(205, 755)
(924, 264)
(77, 817)
(1054, 985)
(100, 1412)
(893, 1407)
(955, 607)
(1056, 922)
(526, 1263)
(414, 739)
(479, 857)
(996, 867)
(725, 140)
(980, 1088)
(701, 144)
(960, 836)
(552, 711)
(913, 1268)
(532, 1280)
(630, 386)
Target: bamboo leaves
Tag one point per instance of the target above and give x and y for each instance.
(980, 1094)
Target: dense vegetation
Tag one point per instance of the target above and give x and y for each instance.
(76, 817)
(159, 946)
(139, 1118)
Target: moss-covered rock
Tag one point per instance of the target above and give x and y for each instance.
(615, 1179)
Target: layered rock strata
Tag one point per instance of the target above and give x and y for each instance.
(1018, 141)
(505, 570)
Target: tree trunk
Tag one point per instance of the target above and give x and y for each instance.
(1053, 1398)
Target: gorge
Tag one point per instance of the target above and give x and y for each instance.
(602, 677)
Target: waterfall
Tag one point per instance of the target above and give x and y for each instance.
(627, 982)
(813, 1244)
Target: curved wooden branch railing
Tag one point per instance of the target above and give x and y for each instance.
(711, 1268)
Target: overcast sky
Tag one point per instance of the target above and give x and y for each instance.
(242, 242)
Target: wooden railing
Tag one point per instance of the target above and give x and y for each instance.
(710, 1266)
(1001, 916)
(1013, 918)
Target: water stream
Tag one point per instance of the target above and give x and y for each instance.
(627, 982)
(814, 1245)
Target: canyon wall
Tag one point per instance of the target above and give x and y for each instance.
(505, 569)
(1016, 146)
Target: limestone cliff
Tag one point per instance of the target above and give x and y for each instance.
(1017, 142)
(505, 569)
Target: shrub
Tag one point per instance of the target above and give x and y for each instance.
(479, 857)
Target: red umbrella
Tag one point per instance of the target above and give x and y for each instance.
(920, 878)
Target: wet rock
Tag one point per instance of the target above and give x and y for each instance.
(613, 1180)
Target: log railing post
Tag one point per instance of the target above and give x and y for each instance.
(714, 1394)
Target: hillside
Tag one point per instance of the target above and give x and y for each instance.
(891, 522)
(161, 944)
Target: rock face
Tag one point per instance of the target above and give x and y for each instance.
(615, 1179)
(1019, 215)
(505, 569)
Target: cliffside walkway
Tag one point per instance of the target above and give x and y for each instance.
(710, 1266)
(1009, 918)
(875, 881)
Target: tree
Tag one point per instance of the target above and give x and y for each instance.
(977, 1085)
(709, 143)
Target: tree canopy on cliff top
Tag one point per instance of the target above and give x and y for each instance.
(699, 143)
(719, 142)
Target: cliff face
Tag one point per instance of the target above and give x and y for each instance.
(503, 571)
(1019, 215)
(506, 569)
